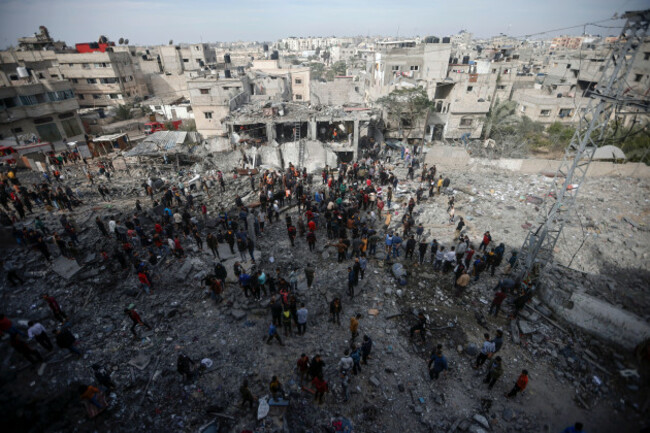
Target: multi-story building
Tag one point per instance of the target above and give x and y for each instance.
(213, 98)
(422, 64)
(33, 108)
(101, 79)
(567, 42)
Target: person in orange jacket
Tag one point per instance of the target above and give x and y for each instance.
(521, 384)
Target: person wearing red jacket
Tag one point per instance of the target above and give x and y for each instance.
(499, 297)
(144, 281)
(321, 388)
(521, 384)
(56, 309)
(312, 225)
(136, 319)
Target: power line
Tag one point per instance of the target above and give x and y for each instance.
(566, 28)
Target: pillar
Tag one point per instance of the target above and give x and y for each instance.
(355, 140)
(313, 132)
(270, 136)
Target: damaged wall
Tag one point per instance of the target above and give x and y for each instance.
(597, 317)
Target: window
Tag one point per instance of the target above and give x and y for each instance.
(545, 113)
(494, 70)
(28, 100)
(66, 115)
(205, 91)
(298, 97)
(501, 87)
(85, 65)
(565, 112)
(646, 56)
(470, 88)
(394, 68)
(80, 96)
(114, 96)
(40, 75)
(7, 103)
(75, 81)
(16, 130)
(96, 96)
(208, 114)
(466, 121)
(186, 60)
(415, 68)
(108, 80)
(157, 107)
(91, 81)
(298, 81)
(638, 77)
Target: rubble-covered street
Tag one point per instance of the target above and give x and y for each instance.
(573, 375)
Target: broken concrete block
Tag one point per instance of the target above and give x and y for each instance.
(526, 327)
(140, 362)
(481, 420)
(508, 414)
(65, 267)
(373, 312)
(375, 381)
(238, 314)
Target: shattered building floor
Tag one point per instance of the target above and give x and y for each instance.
(573, 376)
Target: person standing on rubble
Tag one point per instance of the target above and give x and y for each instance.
(335, 311)
(37, 332)
(59, 314)
(136, 319)
(354, 326)
(487, 350)
(495, 371)
(66, 340)
(273, 333)
(186, 367)
(437, 363)
(246, 395)
(520, 385)
(420, 326)
(576, 428)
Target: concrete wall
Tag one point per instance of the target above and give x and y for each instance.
(598, 317)
(337, 92)
(457, 157)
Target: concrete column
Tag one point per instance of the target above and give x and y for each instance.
(313, 132)
(270, 132)
(355, 140)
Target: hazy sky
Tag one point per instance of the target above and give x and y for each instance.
(158, 21)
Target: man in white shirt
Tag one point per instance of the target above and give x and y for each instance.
(37, 332)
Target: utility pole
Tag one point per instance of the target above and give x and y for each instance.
(610, 94)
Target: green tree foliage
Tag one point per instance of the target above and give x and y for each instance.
(317, 71)
(123, 112)
(339, 68)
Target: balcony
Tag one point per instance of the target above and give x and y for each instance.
(38, 110)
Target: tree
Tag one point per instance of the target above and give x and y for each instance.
(406, 107)
(123, 112)
(316, 71)
(339, 68)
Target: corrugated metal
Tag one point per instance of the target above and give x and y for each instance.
(163, 142)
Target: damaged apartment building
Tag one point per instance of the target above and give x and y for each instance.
(273, 110)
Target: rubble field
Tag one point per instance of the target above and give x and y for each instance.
(574, 376)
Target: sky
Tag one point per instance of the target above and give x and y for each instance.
(149, 22)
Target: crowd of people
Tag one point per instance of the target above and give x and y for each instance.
(351, 208)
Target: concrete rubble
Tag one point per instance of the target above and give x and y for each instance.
(574, 374)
